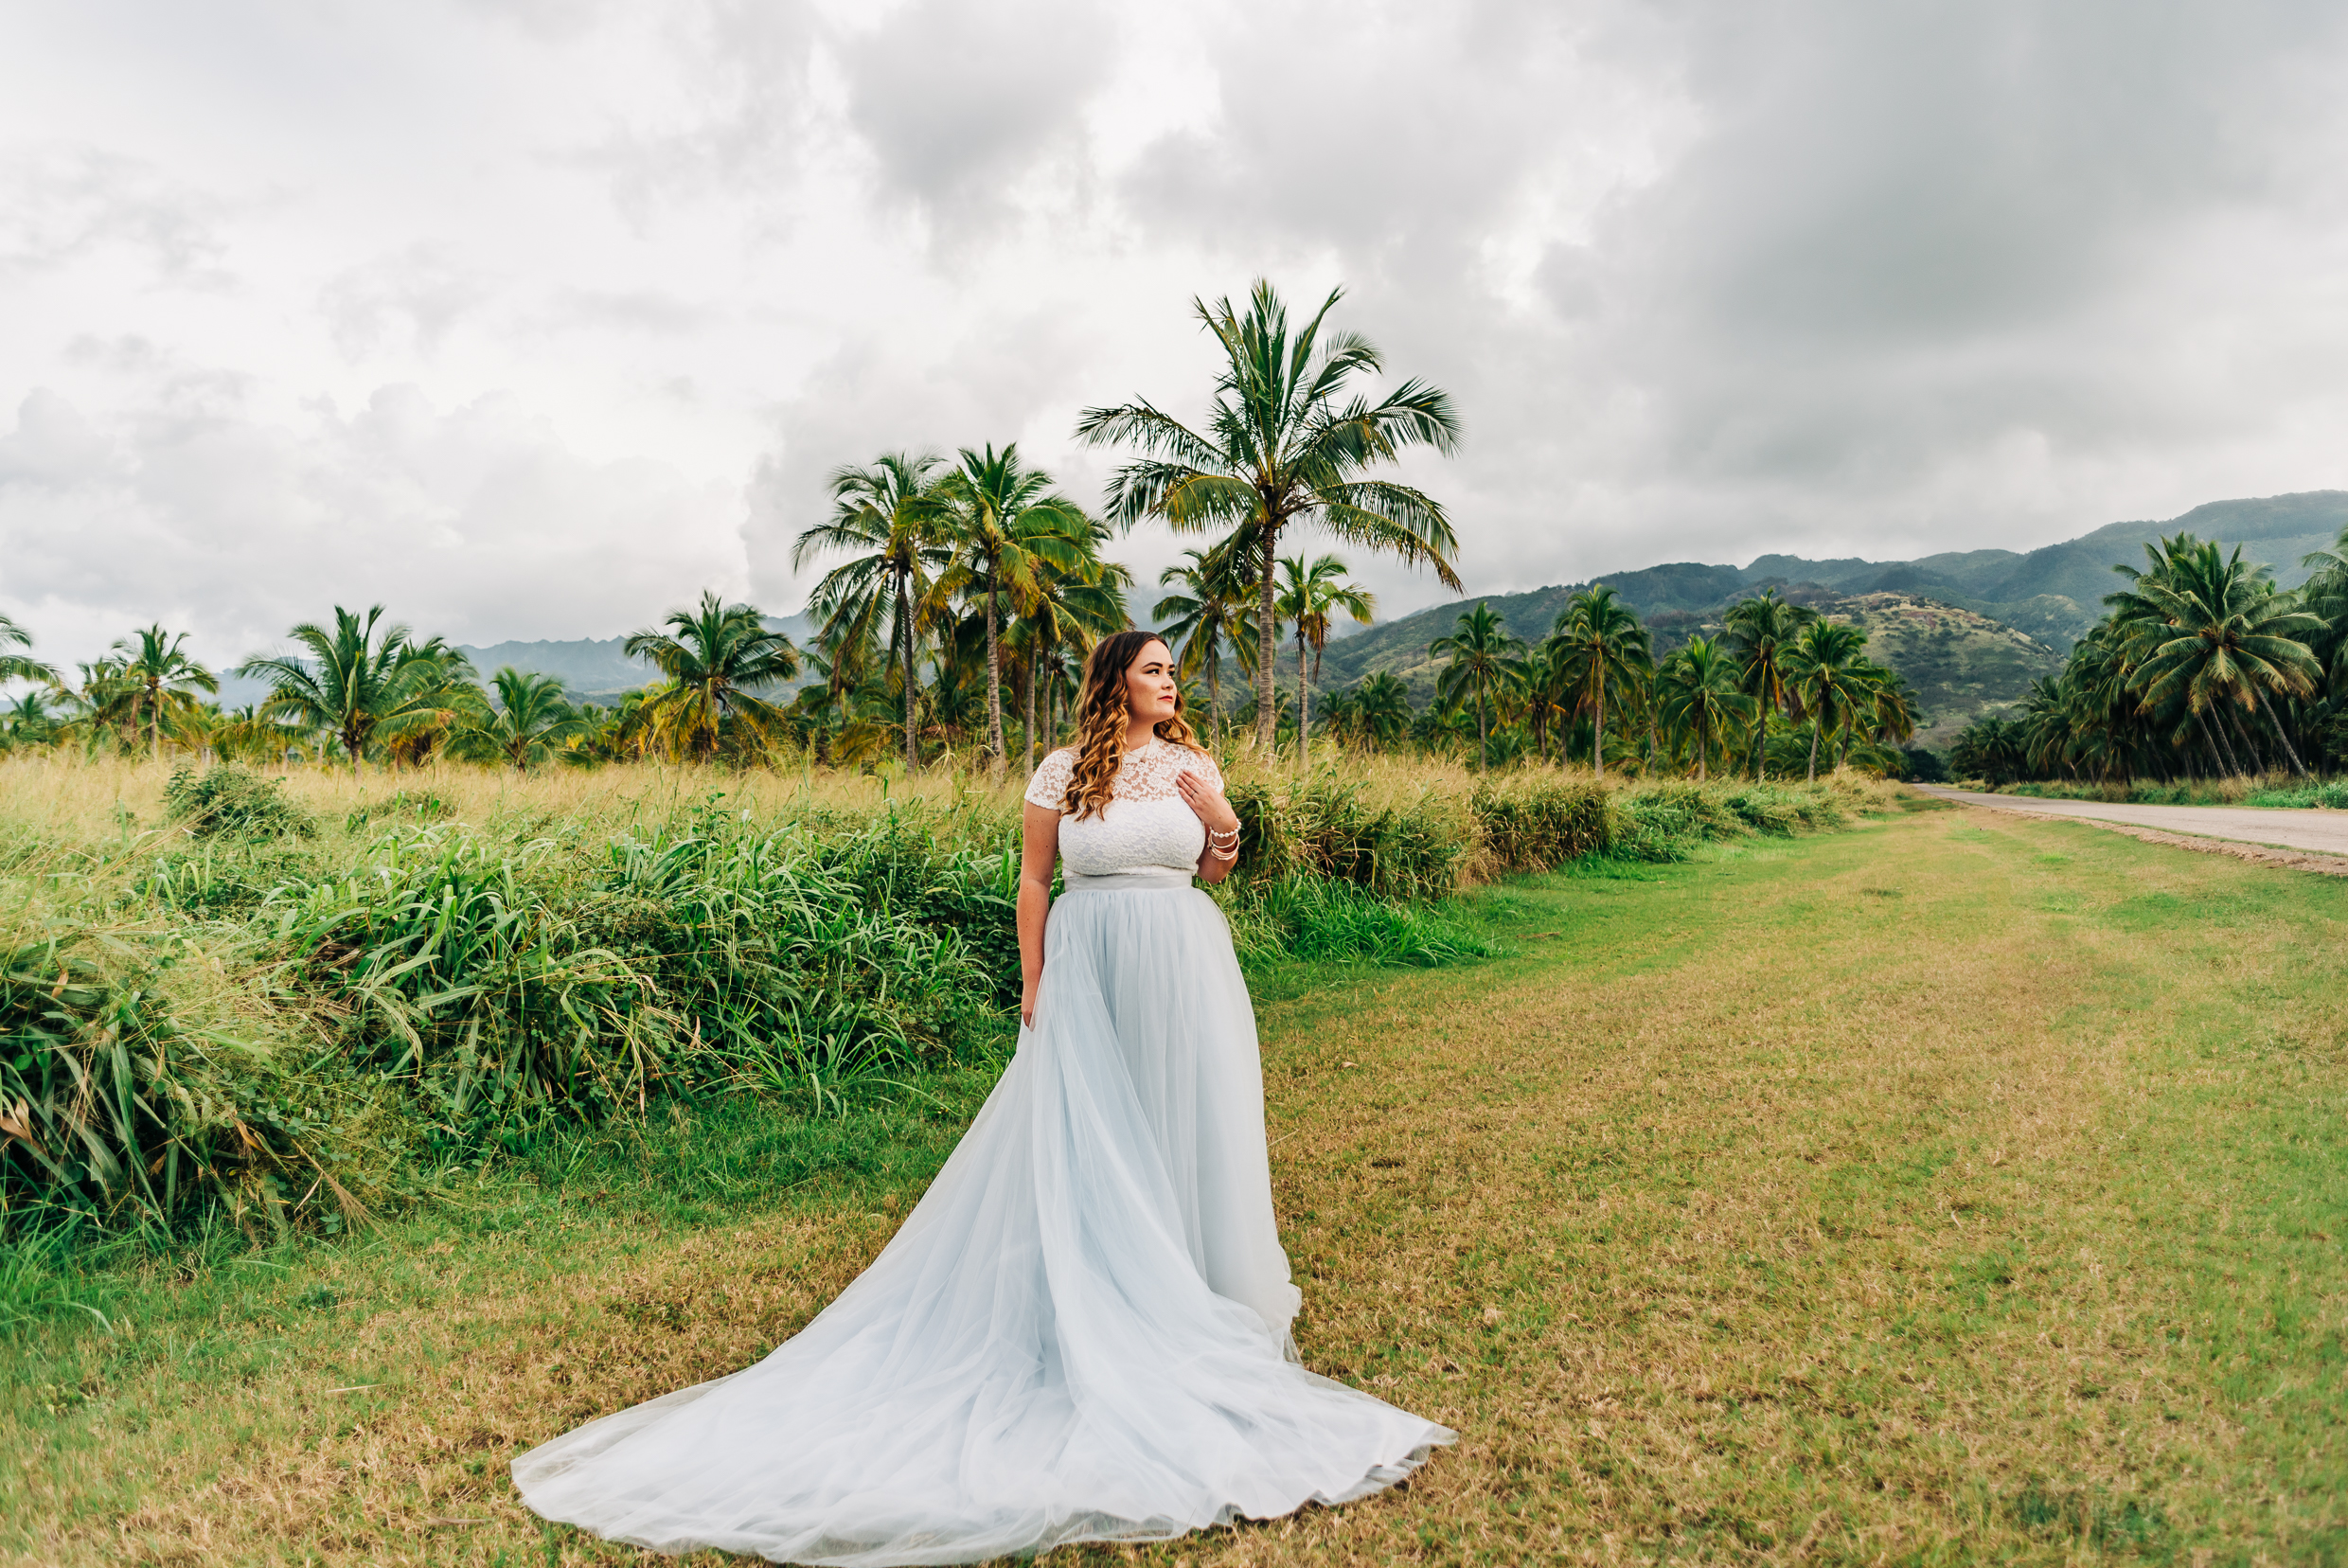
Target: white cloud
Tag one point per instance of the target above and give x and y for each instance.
(606, 290)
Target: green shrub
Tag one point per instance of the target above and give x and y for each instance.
(1319, 827)
(1321, 920)
(2333, 793)
(233, 800)
(112, 1109)
(515, 982)
(1534, 826)
(399, 806)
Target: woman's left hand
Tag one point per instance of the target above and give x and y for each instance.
(1207, 801)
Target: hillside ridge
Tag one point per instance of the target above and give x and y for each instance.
(2024, 608)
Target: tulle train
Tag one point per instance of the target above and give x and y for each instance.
(1078, 1334)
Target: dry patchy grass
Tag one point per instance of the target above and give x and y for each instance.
(1947, 1191)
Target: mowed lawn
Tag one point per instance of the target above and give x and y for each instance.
(1957, 1189)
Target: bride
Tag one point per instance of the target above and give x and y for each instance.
(1081, 1332)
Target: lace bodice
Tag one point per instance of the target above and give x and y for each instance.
(1146, 826)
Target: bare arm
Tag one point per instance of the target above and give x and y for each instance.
(1202, 796)
(1039, 848)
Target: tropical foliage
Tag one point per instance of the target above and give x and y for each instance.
(368, 685)
(958, 595)
(1287, 442)
(1310, 594)
(2202, 669)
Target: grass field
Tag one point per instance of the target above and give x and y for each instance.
(1955, 1189)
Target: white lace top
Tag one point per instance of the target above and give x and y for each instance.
(1146, 826)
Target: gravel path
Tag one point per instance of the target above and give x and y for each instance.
(2322, 831)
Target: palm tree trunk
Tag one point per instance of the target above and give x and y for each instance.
(1214, 695)
(904, 616)
(1027, 754)
(1701, 748)
(2288, 749)
(1598, 737)
(2221, 752)
(1267, 715)
(1303, 701)
(2243, 735)
(1815, 727)
(994, 682)
(1483, 739)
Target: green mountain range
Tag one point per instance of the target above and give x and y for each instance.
(1970, 628)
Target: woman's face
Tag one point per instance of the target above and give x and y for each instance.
(1150, 683)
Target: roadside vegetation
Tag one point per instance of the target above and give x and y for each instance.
(274, 1003)
(2205, 683)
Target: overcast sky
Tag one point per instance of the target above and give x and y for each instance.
(530, 318)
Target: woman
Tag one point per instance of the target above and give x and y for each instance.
(1081, 1332)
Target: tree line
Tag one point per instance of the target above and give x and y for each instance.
(953, 583)
(1781, 689)
(2202, 669)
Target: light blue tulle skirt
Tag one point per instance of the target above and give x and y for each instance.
(1080, 1334)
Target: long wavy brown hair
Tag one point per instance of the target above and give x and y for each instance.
(1101, 719)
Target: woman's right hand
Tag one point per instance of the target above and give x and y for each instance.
(1027, 1004)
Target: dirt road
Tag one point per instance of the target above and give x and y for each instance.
(2323, 831)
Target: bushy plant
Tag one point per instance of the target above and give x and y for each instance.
(1319, 920)
(514, 981)
(233, 800)
(1535, 825)
(113, 1109)
(1321, 828)
(2332, 793)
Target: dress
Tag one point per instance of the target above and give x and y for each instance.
(1081, 1332)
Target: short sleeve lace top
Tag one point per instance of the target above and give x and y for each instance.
(1146, 826)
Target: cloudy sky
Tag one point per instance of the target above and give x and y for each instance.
(528, 318)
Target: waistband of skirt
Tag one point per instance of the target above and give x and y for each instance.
(1125, 882)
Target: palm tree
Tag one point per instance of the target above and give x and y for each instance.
(532, 720)
(162, 675)
(891, 512)
(1603, 648)
(1893, 703)
(1990, 748)
(2213, 632)
(365, 682)
(1007, 529)
(1307, 596)
(1285, 444)
(1203, 613)
(247, 734)
(1073, 607)
(1696, 692)
(1382, 708)
(716, 656)
(1482, 661)
(1760, 630)
(26, 721)
(1830, 677)
(16, 667)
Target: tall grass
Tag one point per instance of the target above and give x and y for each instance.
(286, 1001)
